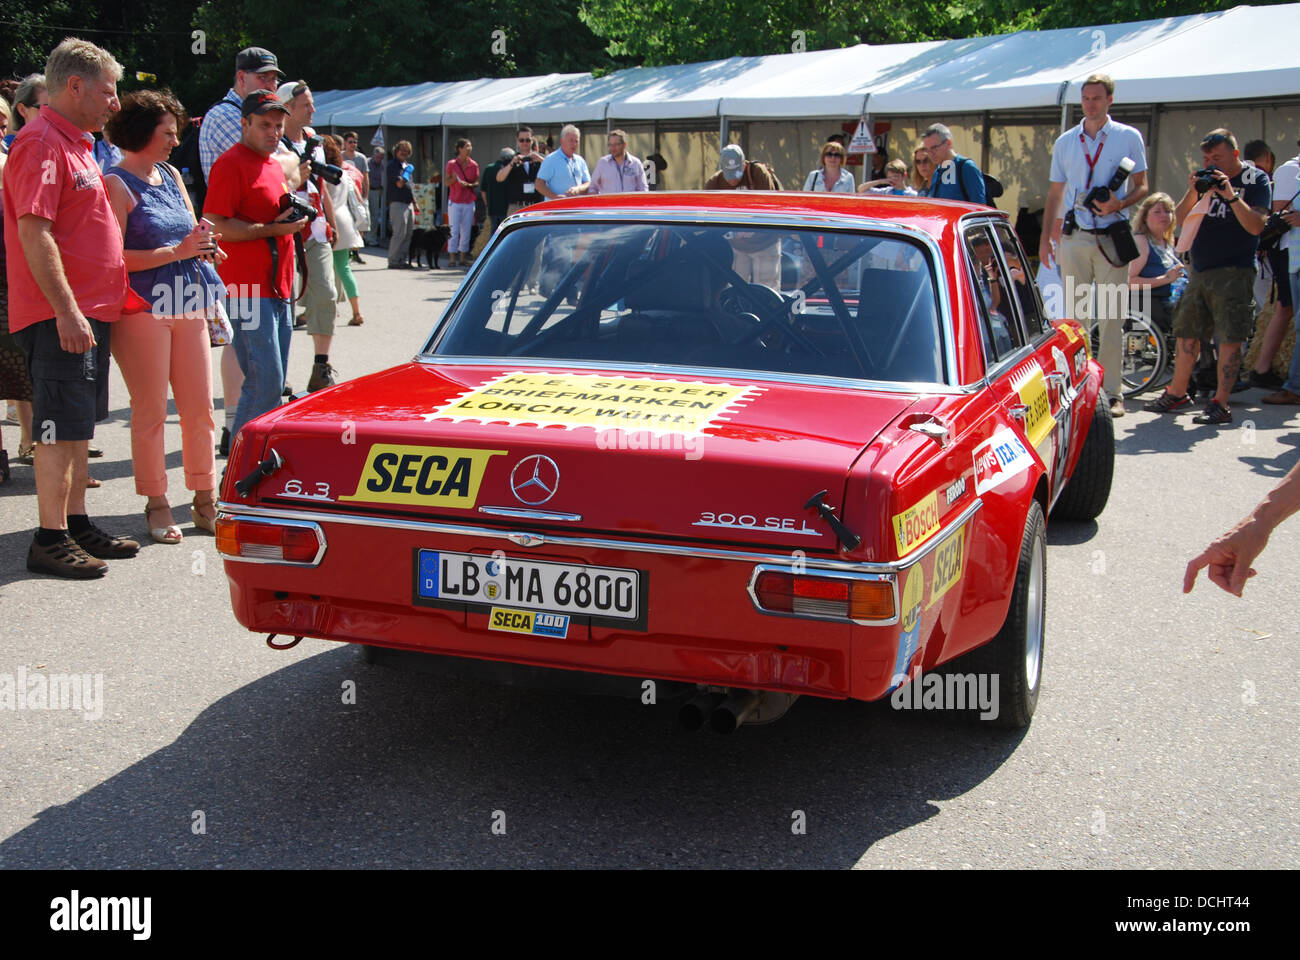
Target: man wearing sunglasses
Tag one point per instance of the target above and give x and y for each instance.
(520, 174)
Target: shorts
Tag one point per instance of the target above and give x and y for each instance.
(1279, 260)
(1218, 303)
(69, 390)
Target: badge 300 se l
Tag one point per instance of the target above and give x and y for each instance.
(751, 447)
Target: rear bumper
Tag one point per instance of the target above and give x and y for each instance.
(702, 627)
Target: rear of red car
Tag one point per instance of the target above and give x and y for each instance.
(657, 516)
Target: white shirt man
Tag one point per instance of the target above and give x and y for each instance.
(1084, 157)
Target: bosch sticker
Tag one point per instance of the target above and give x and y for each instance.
(917, 524)
(425, 476)
(998, 459)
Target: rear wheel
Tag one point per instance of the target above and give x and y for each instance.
(1142, 351)
(1088, 489)
(1015, 655)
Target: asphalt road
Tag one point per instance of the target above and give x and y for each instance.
(1165, 734)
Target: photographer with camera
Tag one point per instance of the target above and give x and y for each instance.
(244, 205)
(520, 175)
(1219, 301)
(1098, 169)
(317, 281)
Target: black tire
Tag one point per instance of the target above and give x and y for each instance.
(1088, 489)
(1015, 655)
(368, 653)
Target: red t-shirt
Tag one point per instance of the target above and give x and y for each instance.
(51, 173)
(244, 185)
(466, 170)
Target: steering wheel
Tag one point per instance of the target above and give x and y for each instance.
(773, 306)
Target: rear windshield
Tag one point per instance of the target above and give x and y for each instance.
(857, 305)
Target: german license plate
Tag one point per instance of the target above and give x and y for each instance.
(607, 593)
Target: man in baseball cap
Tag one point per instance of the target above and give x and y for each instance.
(735, 173)
(257, 60)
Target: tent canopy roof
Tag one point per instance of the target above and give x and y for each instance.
(1178, 59)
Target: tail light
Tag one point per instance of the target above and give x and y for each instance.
(862, 598)
(270, 541)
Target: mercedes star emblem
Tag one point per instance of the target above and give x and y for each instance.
(535, 479)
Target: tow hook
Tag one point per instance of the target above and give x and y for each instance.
(827, 512)
(270, 642)
(263, 470)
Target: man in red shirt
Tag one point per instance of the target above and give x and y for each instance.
(67, 282)
(243, 204)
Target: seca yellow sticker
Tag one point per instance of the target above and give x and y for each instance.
(1070, 333)
(424, 476)
(1032, 388)
(590, 400)
(917, 524)
(947, 566)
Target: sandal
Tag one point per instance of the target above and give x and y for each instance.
(25, 454)
(170, 533)
(204, 513)
(91, 483)
(357, 320)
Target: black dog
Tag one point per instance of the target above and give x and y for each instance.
(429, 244)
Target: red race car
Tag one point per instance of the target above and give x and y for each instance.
(763, 445)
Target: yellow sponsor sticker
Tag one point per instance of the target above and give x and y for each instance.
(423, 476)
(913, 591)
(1032, 388)
(528, 621)
(590, 400)
(1070, 333)
(947, 566)
(917, 524)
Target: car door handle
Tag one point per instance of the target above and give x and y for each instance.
(1063, 388)
(1018, 411)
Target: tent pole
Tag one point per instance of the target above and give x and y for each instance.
(984, 147)
(1065, 117)
(1153, 138)
(723, 129)
(442, 162)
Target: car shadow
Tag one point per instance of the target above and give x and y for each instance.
(1070, 533)
(419, 770)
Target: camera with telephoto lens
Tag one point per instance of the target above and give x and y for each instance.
(301, 208)
(1205, 180)
(326, 171)
(1101, 194)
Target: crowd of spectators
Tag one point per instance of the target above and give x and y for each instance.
(272, 213)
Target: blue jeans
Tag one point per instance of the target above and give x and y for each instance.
(262, 348)
(1293, 381)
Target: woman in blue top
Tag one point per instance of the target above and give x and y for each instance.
(1157, 266)
(169, 259)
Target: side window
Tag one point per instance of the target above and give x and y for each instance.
(998, 327)
(1022, 282)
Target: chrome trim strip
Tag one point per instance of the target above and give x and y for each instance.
(279, 520)
(529, 514)
(787, 568)
(847, 223)
(597, 543)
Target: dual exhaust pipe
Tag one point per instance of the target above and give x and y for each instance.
(726, 712)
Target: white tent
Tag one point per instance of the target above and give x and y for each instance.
(1202, 57)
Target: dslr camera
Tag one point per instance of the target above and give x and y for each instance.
(1205, 180)
(301, 208)
(1101, 194)
(326, 171)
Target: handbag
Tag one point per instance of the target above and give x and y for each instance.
(360, 211)
(220, 332)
